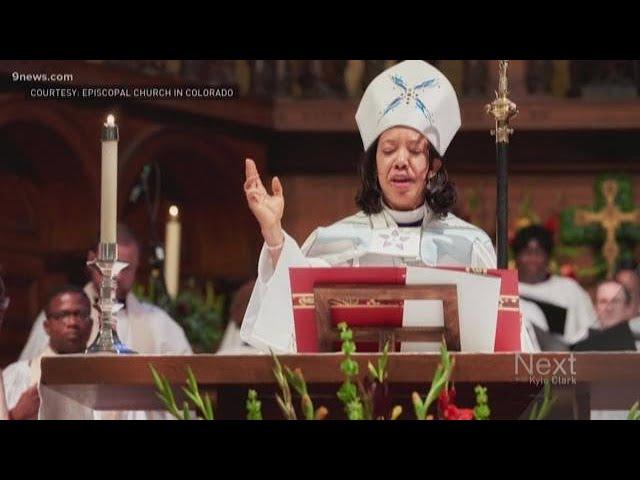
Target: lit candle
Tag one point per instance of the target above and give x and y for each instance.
(109, 185)
(172, 256)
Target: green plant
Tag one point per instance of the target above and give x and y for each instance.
(627, 234)
(634, 413)
(254, 406)
(165, 394)
(481, 410)
(200, 313)
(542, 411)
(380, 373)
(296, 378)
(284, 377)
(285, 401)
(348, 392)
(375, 393)
(440, 380)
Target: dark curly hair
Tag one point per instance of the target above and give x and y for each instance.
(440, 192)
(533, 232)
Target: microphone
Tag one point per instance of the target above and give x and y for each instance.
(141, 185)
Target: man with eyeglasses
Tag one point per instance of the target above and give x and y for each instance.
(142, 326)
(68, 324)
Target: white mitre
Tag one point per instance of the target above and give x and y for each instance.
(412, 94)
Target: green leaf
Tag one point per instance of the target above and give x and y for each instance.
(534, 412)
(191, 380)
(208, 408)
(418, 406)
(168, 391)
(185, 411)
(355, 410)
(349, 390)
(373, 371)
(193, 397)
(540, 412)
(348, 348)
(440, 380)
(156, 377)
(254, 406)
(307, 407)
(382, 362)
(482, 412)
(284, 401)
(350, 367)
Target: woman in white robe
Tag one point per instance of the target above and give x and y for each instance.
(407, 118)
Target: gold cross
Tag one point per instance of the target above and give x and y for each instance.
(609, 218)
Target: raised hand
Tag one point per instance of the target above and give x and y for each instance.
(266, 208)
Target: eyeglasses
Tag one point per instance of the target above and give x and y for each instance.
(81, 314)
(4, 303)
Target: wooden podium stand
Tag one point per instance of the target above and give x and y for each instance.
(602, 380)
(447, 294)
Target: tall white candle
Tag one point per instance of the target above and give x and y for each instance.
(172, 256)
(109, 181)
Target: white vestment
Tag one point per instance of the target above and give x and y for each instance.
(22, 375)
(143, 327)
(232, 344)
(4, 410)
(565, 293)
(450, 241)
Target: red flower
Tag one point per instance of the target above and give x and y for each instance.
(446, 398)
(454, 413)
(552, 224)
(567, 270)
(448, 410)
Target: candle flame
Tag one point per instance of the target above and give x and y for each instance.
(173, 211)
(111, 120)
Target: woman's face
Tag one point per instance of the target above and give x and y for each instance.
(403, 166)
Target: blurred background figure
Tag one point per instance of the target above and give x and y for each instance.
(613, 304)
(627, 274)
(232, 344)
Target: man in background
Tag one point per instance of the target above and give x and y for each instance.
(143, 327)
(67, 326)
(627, 274)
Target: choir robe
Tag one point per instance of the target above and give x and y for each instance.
(566, 306)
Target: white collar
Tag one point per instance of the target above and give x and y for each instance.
(407, 216)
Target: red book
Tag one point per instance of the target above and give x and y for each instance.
(373, 312)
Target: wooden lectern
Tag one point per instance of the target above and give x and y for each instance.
(328, 335)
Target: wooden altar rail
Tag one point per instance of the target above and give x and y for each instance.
(602, 380)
